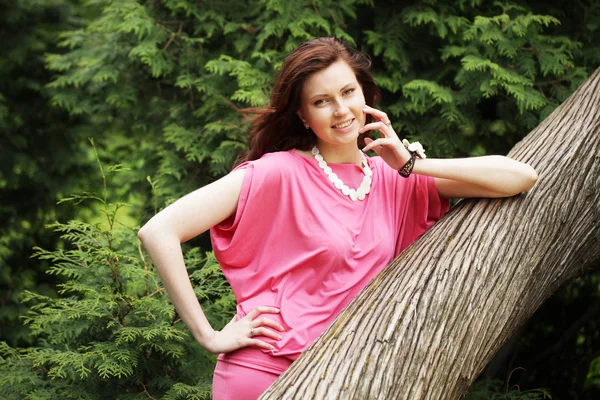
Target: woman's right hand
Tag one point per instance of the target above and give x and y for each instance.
(241, 332)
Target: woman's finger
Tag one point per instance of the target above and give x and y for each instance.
(266, 322)
(378, 114)
(260, 343)
(378, 126)
(377, 149)
(260, 331)
(261, 309)
(375, 144)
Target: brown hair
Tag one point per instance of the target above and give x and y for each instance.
(277, 127)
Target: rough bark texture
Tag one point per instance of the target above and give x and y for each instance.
(429, 323)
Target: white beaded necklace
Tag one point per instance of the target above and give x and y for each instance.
(354, 194)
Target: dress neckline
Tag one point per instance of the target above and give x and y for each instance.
(313, 161)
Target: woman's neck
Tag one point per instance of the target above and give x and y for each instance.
(341, 153)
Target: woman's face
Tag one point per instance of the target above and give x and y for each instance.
(332, 103)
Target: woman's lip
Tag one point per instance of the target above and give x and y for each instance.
(350, 124)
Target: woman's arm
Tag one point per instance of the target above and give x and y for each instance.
(488, 176)
(162, 236)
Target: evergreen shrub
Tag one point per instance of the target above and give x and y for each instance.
(112, 332)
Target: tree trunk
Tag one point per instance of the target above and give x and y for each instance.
(429, 323)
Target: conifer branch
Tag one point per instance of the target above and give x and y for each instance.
(146, 391)
(166, 46)
(191, 92)
(175, 318)
(176, 21)
(232, 126)
(159, 290)
(333, 17)
(232, 105)
(553, 82)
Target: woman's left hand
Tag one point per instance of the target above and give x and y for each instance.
(388, 146)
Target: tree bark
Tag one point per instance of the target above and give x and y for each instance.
(428, 324)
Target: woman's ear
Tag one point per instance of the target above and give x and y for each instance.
(300, 115)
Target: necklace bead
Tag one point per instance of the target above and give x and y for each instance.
(354, 194)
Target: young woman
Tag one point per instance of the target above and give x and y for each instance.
(308, 219)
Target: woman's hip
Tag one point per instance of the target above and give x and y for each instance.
(237, 382)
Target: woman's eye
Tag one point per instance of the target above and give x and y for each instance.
(348, 91)
(319, 102)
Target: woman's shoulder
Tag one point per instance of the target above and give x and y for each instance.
(281, 160)
(271, 158)
(275, 164)
(285, 155)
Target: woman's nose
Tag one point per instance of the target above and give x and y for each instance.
(341, 109)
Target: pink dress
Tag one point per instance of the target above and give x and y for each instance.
(297, 243)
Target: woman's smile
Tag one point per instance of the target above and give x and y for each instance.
(344, 126)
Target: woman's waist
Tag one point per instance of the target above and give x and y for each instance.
(301, 327)
(256, 358)
(301, 322)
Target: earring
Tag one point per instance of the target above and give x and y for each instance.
(305, 124)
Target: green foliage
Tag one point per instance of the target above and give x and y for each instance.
(593, 376)
(495, 64)
(113, 332)
(41, 156)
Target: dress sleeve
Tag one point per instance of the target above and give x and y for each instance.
(423, 207)
(236, 239)
(436, 206)
(231, 223)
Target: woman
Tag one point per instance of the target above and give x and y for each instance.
(307, 219)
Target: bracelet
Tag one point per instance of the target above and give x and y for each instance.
(408, 167)
(416, 150)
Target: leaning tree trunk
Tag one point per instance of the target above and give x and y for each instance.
(429, 323)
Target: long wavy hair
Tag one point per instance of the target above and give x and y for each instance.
(278, 127)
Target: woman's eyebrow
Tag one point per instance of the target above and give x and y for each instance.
(341, 90)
